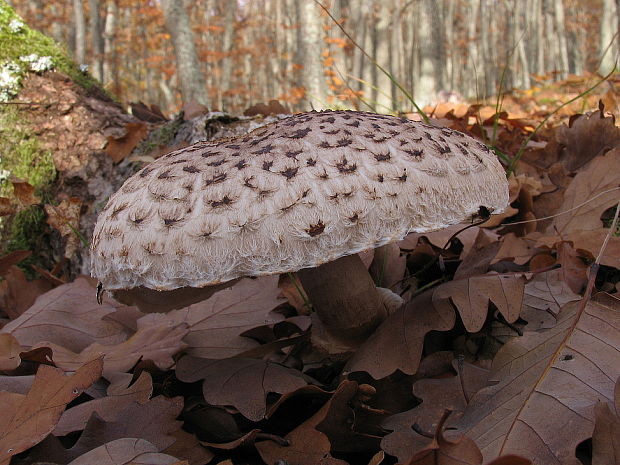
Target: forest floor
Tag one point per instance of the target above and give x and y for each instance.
(507, 350)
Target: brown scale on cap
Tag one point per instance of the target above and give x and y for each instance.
(354, 170)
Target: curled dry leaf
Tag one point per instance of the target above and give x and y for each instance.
(480, 256)
(119, 396)
(126, 451)
(119, 148)
(545, 294)
(68, 316)
(590, 241)
(6, 207)
(306, 445)
(215, 324)
(242, 383)
(586, 137)
(24, 192)
(27, 419)
(546, 379)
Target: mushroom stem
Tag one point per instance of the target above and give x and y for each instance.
(344, 296)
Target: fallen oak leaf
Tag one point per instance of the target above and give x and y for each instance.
(242, 383)
(126, 451)
(18, 294)
(24, 192)
(590, 241)
(120, 147)
(544, 295)
(13, 258)
(27, 419)
(156, 343)
(597, 182)
(119, 395)
(606, 436)
(68, 316)
(545, 380)
(9, 352)
(215, 324)
(442, 451)
(6, 207)
(305, 445)
(397, 343)
(471, 297)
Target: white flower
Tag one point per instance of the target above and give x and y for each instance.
(16, 25)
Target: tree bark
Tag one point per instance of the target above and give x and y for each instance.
(608, 45)
(191, 79)
(80, 32)
(96, 37)
(110, 62)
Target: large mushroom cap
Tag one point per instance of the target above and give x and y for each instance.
(294, 194)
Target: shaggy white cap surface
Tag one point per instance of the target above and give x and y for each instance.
(294, 194)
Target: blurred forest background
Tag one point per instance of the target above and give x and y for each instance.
(230, 54)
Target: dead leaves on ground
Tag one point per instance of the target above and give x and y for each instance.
(494, 329)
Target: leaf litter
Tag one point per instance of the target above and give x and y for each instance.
(495, 328)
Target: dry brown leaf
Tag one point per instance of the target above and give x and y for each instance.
(600, 175)
(215, 324)
(478, 259)
(574, 269)
(27, 419)
(242, 383)
(24, 192)
(590, 241)
(17, 294)
(65, 218)
(545, 294)
(462, 451)
(9, 352)
(13, 258)
(517, 249)
(306, 445)
(156, 343)
(437, 394)
(586, 137)
(547, 380)
(397, 343)
(439, 238)
(126, 451)
(119, 148)
(155, 421)
(606, 435)
(471, 297)
(6, 207)
(119, 396)
(68, 316)
(16, 384)
(388, 266)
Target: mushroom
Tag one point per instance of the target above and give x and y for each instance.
(304, 194)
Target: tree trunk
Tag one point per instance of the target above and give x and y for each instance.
(608, 46)
(191, 79)
(426, 88)
(96, 37)
(310, 46)
(80, 32)
(561, 38)
(110, 63)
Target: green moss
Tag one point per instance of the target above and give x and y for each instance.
(21, 154)
(159, 137)
(28, 230)
(17, 40)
